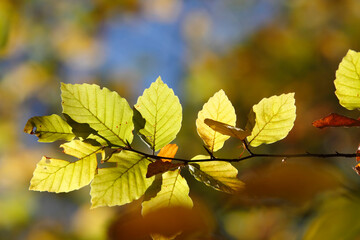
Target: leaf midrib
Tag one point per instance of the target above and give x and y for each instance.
(267, 121)
(50, 174)
(78, 100)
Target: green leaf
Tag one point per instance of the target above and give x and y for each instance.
(218, 108)
(122, 184)
(271, 119)
(347, 82)
(105, 111)
(219, 175)
(49, 128)
(336, 219)
(162, 112)
(56, 175)
(168, 190)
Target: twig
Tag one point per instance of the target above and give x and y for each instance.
(251, 155)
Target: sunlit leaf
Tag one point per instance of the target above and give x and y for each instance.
(357, 168)
(347, 82)
(218, 108)
(49, 128)
(227, 129)
(168, 190)
(122, 184)
(164, 165)
(56, 175)
(168, 151)
(336, 120)
(271, 119)
(219, 175)
(105, 111)
(162, 112)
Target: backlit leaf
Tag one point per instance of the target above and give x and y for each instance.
(168, 190)
(56, 175)
(121, 184)
(336, 120)
(227, 129)
(162, 112)
(347, 82)
(164, 165)
(105, 111)
(218, 108)
(49, 128)
(219, 175)
(168, 151)
(271, 119)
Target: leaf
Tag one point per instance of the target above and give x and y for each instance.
(162, 112)
(218, 108)
(357, 168)
(347, 82)
(336, 120)
(122, 184)
(161, 167)
(168, 151)
(49, 128)
(271, 119)
(221, 176)
(227, 129)
(105, 111)
(164, 165)
(171, 190)
(56, 175)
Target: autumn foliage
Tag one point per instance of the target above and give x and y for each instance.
(99, 126)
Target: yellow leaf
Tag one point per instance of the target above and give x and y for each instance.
(218, 108)
(227, 129)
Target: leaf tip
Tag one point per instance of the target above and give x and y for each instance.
(159, 80)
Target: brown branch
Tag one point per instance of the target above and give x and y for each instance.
(251, 155)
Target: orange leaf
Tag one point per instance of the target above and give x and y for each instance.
(336, 120)
(164, 165)
(358, 154)
(168, 151)
(357, 168)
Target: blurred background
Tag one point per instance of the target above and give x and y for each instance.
(251, 49)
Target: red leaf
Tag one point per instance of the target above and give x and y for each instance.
(336, 120)
(160, 167)
(358, 154)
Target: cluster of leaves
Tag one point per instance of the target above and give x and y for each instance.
(98, 122)
(347, 84)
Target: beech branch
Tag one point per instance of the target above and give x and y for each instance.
(249, 156)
